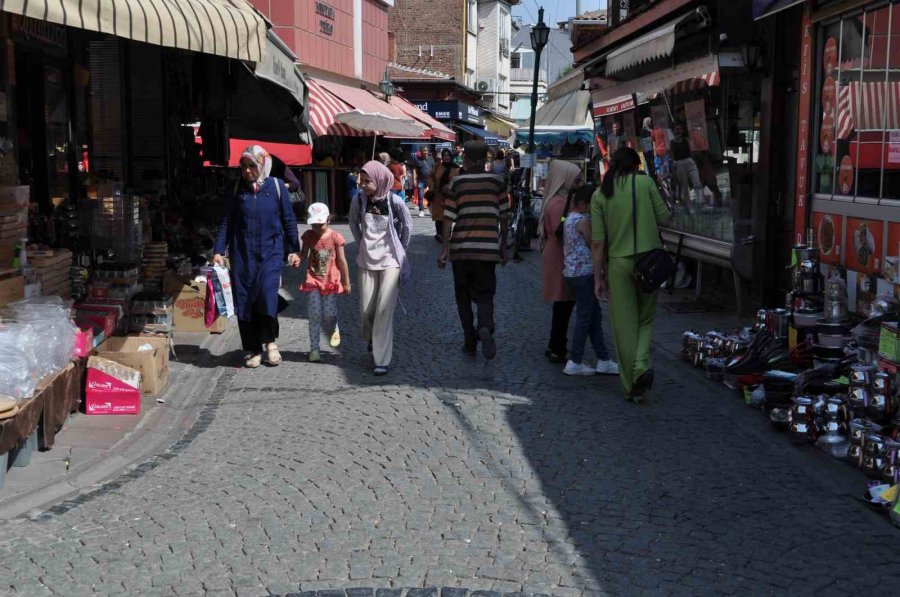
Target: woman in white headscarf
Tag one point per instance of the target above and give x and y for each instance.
(258, 229)
(562, 178)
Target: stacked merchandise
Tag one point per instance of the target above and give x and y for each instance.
(154, 265)
(152, 313)
(37, 339)
(821, 379)
(115, 223)
(52, 266)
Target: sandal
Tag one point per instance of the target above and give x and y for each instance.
(273, 357)
(253, 361)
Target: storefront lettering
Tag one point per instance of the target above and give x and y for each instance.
(43, 31)
(326, 24)
(800, 207)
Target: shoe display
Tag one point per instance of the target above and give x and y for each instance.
(315, 356)
(573, 368)
(607, 368)
(335, 339)
(488, 345)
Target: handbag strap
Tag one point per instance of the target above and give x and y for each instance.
(634, 210)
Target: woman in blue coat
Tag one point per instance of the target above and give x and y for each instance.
(259, 227)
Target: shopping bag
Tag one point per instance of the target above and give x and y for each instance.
(224, 296)
(210, 312)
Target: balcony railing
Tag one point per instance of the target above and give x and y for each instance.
(525, 74)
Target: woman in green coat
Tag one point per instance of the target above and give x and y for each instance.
(625, 214)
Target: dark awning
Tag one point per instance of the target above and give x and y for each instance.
(489, 137)
(766, 8)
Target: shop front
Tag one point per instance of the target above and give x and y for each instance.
(468, 119)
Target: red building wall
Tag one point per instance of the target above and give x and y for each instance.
(297, 23)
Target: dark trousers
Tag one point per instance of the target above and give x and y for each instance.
(259, 330)
(559, 327)
(475, 282)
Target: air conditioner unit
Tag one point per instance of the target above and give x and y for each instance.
(486, 86)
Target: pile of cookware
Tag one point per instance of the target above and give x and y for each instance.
(825, 381)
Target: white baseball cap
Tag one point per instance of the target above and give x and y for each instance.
(317, 214)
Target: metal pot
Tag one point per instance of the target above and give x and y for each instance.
(833, 340)
(778, 323)
(806, 320)
(861, 376)
(803, 420)
(882, 383)
(877, 408)
(859, 429)
(891, 472)
(810, 283)
(806, 253)
(833, 439)
(859, 400)
(874, 455)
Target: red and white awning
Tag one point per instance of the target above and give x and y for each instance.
(710, 79)
(868, 107)
(614, 105)
(323, 107)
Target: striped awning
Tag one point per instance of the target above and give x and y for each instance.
(437, 129)
(229, 28)
(868, 107)
(327, 100)
(710, 79)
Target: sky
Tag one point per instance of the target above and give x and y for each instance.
(554, 10)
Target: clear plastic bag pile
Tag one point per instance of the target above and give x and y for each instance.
(37, 339)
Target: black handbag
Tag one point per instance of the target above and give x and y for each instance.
(655, 266)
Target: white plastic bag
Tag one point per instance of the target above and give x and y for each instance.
(224, 296)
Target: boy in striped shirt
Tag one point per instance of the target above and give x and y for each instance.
(477, 208)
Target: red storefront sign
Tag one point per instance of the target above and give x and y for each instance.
(614, 107)
(802, 183)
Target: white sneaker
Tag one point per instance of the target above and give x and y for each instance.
(607, 368)
(422, 213)
(573, 368)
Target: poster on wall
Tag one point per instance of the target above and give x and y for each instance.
(829, 93)
(828, 229)
(891, 269)
(695, 113)
(864, 240)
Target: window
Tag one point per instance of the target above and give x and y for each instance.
(515, 60)
(505, 26)
(472, 14)
(858, 106)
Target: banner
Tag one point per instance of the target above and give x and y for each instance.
(802, 179)
(695, 113)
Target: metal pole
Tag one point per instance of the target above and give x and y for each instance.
(534, 99)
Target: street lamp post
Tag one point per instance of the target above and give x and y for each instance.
(540, 34)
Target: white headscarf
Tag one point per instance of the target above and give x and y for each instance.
(263, 162)
(561, 178)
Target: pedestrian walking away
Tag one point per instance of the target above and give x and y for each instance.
(257, 230)
(579, 274)
(561, 178)
(439, 186)
(380, 224)
(327, 276)
(625, 217)
(423, 166)
(475, 213)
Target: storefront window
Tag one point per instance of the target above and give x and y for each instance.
(858, 145)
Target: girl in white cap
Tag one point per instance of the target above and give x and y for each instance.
(327, 276)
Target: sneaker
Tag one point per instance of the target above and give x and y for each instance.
(315, 356)
(335, 340)
(380, 371)
(607, 368)
(422, 213)
(488, 345)
(573, 368)
(253, 361)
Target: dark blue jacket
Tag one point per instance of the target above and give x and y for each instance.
(258, 230)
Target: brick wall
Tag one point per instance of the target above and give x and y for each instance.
(427, 23)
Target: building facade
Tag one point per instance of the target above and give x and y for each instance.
(336, 39)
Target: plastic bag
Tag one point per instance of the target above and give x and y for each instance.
(222, 286)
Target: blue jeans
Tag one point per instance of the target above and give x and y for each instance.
(588, 319)
(422, 186)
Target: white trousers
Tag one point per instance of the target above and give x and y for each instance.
(378, 291)
(320, 308)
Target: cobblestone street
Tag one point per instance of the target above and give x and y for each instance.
(507, 477)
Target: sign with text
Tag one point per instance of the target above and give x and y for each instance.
(619, 104)
(326, 23)
(802, 180)
(452, 111)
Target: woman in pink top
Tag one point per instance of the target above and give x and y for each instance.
(327, 276)
(562, 177)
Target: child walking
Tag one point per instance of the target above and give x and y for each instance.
(578, 270)
(327, 276)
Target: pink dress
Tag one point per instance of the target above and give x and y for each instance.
(323, 274)
(553, 285)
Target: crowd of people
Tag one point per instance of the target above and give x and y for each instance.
(591, 240)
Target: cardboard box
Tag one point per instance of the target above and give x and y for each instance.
(153, 365)
(111, 388)
(12, 290)
(190, 301)
(14, 196)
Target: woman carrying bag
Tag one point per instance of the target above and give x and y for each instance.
(562, 177)
(625, 217)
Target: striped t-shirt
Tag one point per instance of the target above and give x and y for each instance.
(476, 204)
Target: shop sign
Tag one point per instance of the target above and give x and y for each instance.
(326, 23)
(614, 107)
(803, 134)
(695, 113)
(452, 111)
(42, 31)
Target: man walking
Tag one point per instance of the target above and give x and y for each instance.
(477, 209)
(423, 164)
